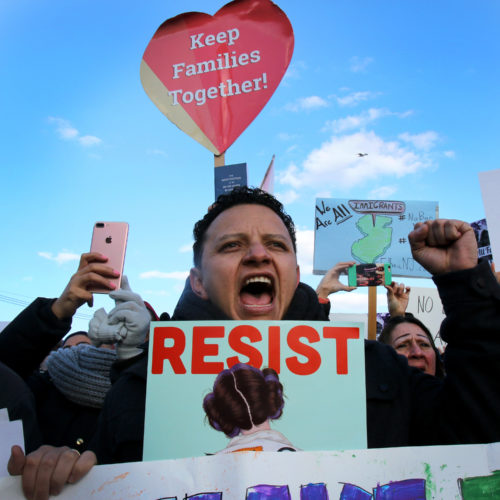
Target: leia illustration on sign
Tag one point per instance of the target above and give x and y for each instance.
(243, 402)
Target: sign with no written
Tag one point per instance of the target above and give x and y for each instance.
(369, 231)
(320, 364)
(425, 304)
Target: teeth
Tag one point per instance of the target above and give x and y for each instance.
(258, 279)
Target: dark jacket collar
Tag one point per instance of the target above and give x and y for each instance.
(304, 306)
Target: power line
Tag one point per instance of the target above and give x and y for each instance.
(24, 303)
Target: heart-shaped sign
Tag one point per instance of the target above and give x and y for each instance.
(211, 75)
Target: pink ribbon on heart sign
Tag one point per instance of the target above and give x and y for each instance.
(212, 75)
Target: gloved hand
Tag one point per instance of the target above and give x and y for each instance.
(101, 332)
(132, 317)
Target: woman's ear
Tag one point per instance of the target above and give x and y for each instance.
(196, 281)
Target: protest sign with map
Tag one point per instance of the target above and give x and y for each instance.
(368, 231)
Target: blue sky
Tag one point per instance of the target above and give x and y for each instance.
(414, 84)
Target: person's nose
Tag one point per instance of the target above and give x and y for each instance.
(257, 252)
(415, 351)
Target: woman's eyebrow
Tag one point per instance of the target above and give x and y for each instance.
(401, 336)
(423, 336)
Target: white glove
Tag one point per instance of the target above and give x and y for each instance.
(132, 317)
(101, 332)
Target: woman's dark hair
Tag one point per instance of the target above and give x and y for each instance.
(74, 334)
(393, 322)
(243, 397)
(242, 195)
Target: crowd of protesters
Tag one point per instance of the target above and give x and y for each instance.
(86, 406)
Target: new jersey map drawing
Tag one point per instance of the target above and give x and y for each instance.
(368, 231)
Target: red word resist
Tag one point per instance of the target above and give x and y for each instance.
(246, 340)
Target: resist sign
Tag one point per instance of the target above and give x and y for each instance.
(320, 364)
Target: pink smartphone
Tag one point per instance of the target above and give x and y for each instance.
(110, 239)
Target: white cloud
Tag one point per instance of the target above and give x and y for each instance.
(449, 154)
(186, 248)
(355, 98)
(313, 101)
(336, 162)
(61, 257)
(307, 103)
(361, 120)
(64, 128)
(358, 64)
(89, 140)
(305, 250)
(404, 114)
(289, 176)
(382, 192)
(294, 71)
(174, 275)
(357, 121)
(69, 133)
(287, 197)
(424, 141)
(324, 193)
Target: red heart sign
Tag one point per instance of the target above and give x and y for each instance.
(211, 75)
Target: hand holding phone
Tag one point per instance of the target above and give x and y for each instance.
(78, 291)
(370, 274)
(110, 239)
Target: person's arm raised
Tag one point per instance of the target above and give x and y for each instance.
(331, 280)
(444, 245)
(92, 271)
(398, 296)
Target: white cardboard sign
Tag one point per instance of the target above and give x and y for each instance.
(438, 473)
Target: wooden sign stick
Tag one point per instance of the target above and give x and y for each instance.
(219, 161)
(372, 313)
